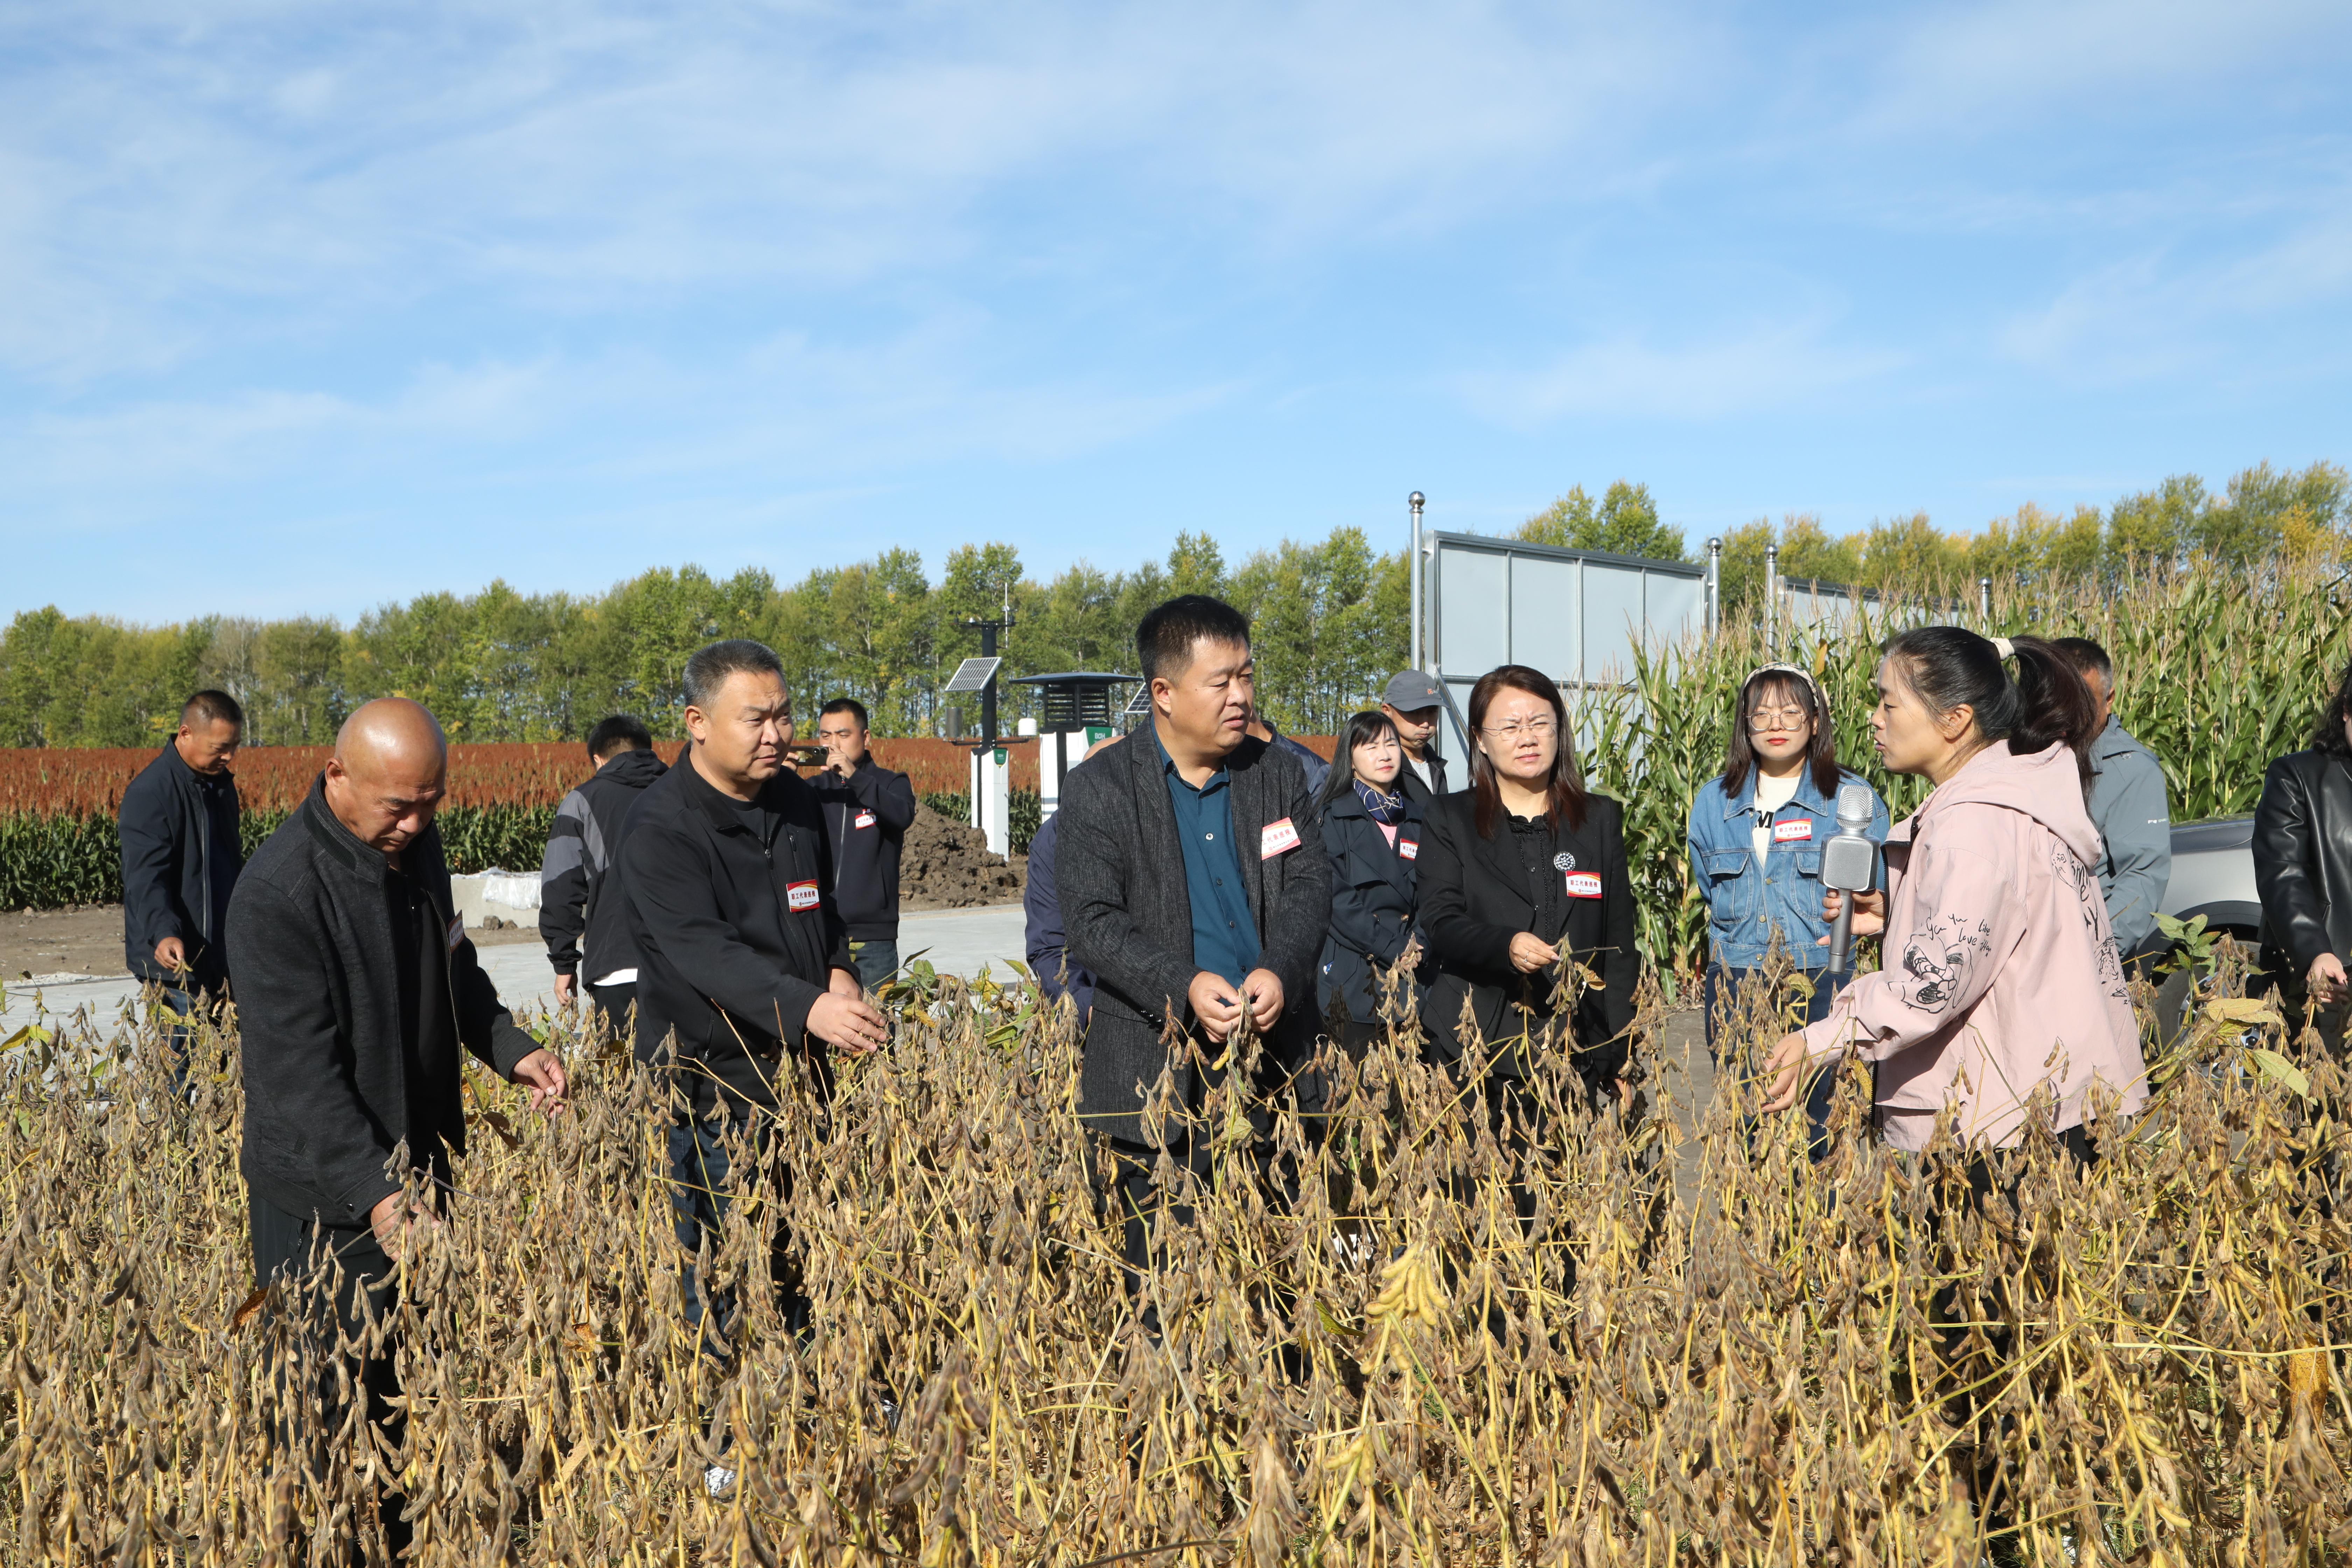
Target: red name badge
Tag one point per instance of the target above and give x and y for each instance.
(456, 931)
(862, 819)
(1408, 848)
(1584, 884)
(801, 896)
(1792, 830)
(1277, 837)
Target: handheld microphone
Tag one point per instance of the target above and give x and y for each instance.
(1849, 864)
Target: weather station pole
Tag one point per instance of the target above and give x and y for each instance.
(1415, 501)
(991, 792)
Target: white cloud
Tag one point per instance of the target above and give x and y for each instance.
(162, 442)
(580, 153)
(1717, 375)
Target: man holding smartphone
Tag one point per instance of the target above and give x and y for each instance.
(867, 810)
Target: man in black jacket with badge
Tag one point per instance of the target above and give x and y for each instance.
(578, 906)
(867, 810)
(180, 857)
(744, 974)
(356, 990)
(1194, 889)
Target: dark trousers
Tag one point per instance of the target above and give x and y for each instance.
(1975, 1345)
(877, 959)
(295, 1250)
(706, 1177)
(616, 1002)
(1722, 984)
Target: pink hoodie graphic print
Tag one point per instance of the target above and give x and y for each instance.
(2000, 972)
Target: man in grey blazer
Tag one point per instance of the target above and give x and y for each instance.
(1195, 890)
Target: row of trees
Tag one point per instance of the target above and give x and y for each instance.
(1330, 618)
(501, 665)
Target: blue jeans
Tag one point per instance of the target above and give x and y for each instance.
(1723, 983)
(701, 1165)
(182, 1004)
(876, 960)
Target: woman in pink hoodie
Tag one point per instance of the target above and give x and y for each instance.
(2001, 971)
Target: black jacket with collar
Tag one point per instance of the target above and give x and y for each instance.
(577, 898)
(1374, 902)
(170, 821)
(724, 959)
(1475, 896)
(2302, 863)
(1127, 911)
(319, 988)
(1415, 790)
(866, 860)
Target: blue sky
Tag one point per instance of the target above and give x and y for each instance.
(307, 307)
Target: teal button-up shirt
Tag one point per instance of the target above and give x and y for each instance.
(1224, 932)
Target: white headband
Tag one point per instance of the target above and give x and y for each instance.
(1820, 701)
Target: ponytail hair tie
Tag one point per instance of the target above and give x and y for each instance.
(2004, 648)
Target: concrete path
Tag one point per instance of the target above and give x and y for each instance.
(957, 942)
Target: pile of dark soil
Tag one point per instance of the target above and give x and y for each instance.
(944, 865)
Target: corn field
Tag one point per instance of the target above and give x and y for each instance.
(2217, 674)
(1441, 1332)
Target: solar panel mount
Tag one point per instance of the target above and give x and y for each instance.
(973, 675)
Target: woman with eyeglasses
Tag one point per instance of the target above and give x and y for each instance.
(1371, 833)
(1523, 887)
(1755, 842)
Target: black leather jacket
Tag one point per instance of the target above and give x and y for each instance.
(2303, 862)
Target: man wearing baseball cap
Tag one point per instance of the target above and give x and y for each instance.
(1410, 700)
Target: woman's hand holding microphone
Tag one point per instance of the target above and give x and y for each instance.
(1869, 912)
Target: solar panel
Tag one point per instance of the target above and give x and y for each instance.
(1138, 705)
(972, 675)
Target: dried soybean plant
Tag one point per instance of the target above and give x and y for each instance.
(1424, 1328)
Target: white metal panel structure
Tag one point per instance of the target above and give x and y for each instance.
(1576, 615)
(1837, 608)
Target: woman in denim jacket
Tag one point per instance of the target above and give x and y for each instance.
(1756, 837)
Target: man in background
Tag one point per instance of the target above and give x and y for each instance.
(577, 906)
(180, 857)
(867, 810)
(2126, 804)
(357, 991)
(1260, 728)
(1411, 701)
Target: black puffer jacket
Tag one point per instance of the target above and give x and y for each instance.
(180, 864)
(576, 894)
(2302, 863)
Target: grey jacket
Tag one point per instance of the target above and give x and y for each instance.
(1127, 911)
(319, 991)
(2127, 806)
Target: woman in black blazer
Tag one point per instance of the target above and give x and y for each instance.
(1518, 872)
(1371, 834)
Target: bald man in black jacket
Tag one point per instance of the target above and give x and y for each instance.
(356, 990)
